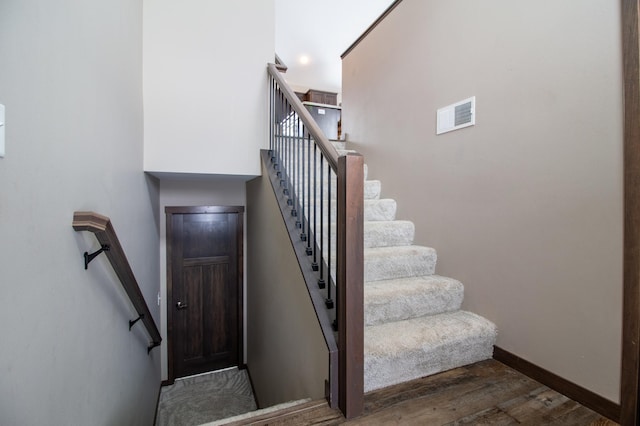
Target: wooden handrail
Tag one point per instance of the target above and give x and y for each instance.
(318, 135)
(103, 229)
(282, 67)
(349, 255)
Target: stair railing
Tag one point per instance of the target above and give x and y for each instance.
(105, 234)
(325, 201)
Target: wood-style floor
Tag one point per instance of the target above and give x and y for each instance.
(486, 393)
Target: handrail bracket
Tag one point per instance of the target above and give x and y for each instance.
(132, 322)
(88, 257)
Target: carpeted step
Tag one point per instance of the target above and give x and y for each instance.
(400, 351)
(388, 233)
(372, 189)
(378, 210)
(385, 263)
(405, 298)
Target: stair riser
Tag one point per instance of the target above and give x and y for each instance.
(397, 300)
(418, 262)
(380, 234)
(388, 234)
(407, 350)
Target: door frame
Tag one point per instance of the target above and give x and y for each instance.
(169, 212)
(630, 371)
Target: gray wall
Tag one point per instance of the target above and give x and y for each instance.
(525, 207)
(189, 191)
(71, 80)
(287, 355)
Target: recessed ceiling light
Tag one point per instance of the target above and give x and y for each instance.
(304, 59)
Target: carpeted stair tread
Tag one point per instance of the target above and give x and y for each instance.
(405, 298)
(388, 233)
(382, 209)
(384, 263)
(400, 351)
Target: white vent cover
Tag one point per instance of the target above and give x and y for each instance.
(456, 116)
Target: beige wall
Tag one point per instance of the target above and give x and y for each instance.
(525, 207)
(287, 355)
(188, 191)
(205, 84)
(71, 81)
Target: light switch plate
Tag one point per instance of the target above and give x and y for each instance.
(2, 126)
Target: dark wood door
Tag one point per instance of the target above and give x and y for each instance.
(204, 289)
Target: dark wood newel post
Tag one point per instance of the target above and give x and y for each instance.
(350, 275)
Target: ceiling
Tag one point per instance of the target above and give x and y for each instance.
(320, 30)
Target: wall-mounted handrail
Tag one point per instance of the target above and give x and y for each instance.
(324, 195)
(105, 234)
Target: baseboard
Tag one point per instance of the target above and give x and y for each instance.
(579, 394)
(167, 383)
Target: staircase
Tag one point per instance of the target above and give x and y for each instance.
(414, 326)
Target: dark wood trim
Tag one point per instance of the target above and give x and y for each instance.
(102, 228)
(168, 297)
(167, 383)
(203, 209)
(371, 27)
(350, 273)
(169, 212)
(630, 401)
(579, 394)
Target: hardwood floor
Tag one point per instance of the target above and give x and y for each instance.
(486, 393)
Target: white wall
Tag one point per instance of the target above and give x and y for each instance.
(525, 208)
(205, 84)
(321, 31)
(71, 80)
(191, 192)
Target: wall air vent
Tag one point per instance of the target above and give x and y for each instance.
(456, 116)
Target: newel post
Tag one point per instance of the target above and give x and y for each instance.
(350, 277)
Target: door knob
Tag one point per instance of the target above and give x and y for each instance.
(181, 305)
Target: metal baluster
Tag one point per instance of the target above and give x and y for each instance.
(329, 301)
(308, 250)
(296, 169)
(303, 175)
(314, 265)
(321, 281)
